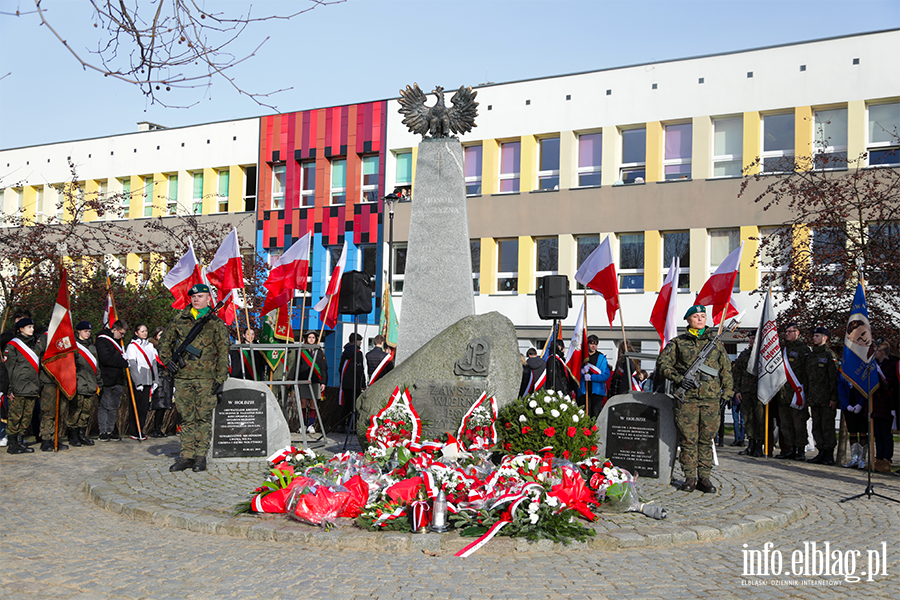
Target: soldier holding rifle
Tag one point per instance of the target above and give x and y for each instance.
(701, 385)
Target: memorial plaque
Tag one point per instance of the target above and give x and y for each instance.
(441, 403)
(632, 434)
(240, 425)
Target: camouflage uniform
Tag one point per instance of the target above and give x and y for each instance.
(81, 407)
(792, 422)
(746, 384)
(821, 394)
(24, 386)
(194, 383)
(49, 401)
(697, 418)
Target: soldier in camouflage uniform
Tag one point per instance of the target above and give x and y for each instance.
(792, 421)
(87, 371)
(51, 396)
(22, 365)
(821, 394)
(199, 382)
(754, 411)
(697, 418)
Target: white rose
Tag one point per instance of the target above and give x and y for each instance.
(563, 406)
(533, 507)
(539, 411)
(552, 500)
(546, 399)
(522, 418)
(532, 404)
(533, 518)
(554, 413)
(575, 418)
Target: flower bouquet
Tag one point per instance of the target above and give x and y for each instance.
(547, 421)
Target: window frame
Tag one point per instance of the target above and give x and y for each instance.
(507, 275)
(278, 195)
(307, 193)
(724, 159)
(685, 265)
(593, 170)
(368, 192)
(711, 268)
(397, 276)
(631, 272)
(538, 273)
(407, 180)
(881, 147)
(125, 202)
(250, 194)
(512, 176)
(626, 168)
(548, 175)
(765, 232)
(337, 192)
(777, 156)
(149, 187)
(821, 149)
(476, 269)
(578, 251)
(473, 180)
(172, 201)
(222, 199)
(677, 162)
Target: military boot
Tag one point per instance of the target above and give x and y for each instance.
(748, 451)
(83, 438)
(13, 447)
(829, 457)
(706, 486)
(199, 464)
(787, 453)
(800, 453)
(73, 438)
(689, 485)
(758, 452)
(21, 441)
(819, 458)
(182, 463)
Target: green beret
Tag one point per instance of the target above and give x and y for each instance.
(198, 289)
(697, 308)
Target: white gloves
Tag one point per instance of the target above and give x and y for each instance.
(855, 409)
(587, 376)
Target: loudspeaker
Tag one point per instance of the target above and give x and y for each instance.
(356, 293)
(553, 297)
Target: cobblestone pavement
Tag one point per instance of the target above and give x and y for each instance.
(138, 532)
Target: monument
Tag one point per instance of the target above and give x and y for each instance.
(437, 290)
(637, 433)
(247, 423)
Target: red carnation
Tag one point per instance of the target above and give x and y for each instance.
(508, 425)
(525, 430)
(550, 432)
(507, 446)
(587, 431)
(571, 431)
(566, 454)
(594, 428)
(593, 448)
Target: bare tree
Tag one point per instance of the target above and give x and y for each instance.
(163, 45)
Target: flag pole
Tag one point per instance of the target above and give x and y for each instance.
(766, 438)
(137, 419)
(246, 310)
(587, 388)
(56, 423)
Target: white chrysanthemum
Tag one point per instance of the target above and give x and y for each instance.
(554, 413)
(532, 404)
(559, 393)
(539, 411)
(547, 399)
(552, 500)
(534, 507)
(563, 406)
(522, 418)
(574, 418)
(533, 518)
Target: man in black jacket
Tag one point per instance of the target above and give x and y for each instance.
(378, 361)
(111, 357)
(352, 385)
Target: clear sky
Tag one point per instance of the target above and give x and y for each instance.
(365, 50)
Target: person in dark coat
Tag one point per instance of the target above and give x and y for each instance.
(558, 376)
(111, 356)
(532, 370)
(352, 385)
(377, 357)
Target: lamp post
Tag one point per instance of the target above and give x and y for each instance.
(391, 199)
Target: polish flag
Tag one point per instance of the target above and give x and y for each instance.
(329, 302)
(599, 273)
(183, 276)
(578, 347)
(59, 356)
(663, 316)
(288, 274)
(717, 289)
(226, 273)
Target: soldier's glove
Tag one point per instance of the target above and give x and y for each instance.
(172, 367)
(217, 391)
(689, 383)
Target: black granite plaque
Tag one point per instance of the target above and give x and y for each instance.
(441, 403)
(239, 426)
(632, 435)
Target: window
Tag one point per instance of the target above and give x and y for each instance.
(102, 191)
(197, 193)
(882, 246)
(548, 172)
(510, 160)
(148, 196)
(778, 143)
(547, 257)
(224, 177)
(829, 245)
(475, 247)
(250, 188)
(278, 185)
(723, 242)
(634, 156)
(728, 147)
(884, 134)
(586, 245)
(830, 139)
(339, 181)
(590, 153)
(370, 179)
(399, 267)
(368, 259)
(631, 261)
(20, 199)
(473, 170)
(774, 255)
(308, 183)
(677, 244)
(508, 265)
(172, 198)
(677, 161)
(404, 169)
(38, 203)
(143, 268)
(125, 203)
(334, 257)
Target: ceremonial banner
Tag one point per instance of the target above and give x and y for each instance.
(110, 315)
(663, 316)
(277, 328)
(717, 290)
(287, 274)
(578, 346)
(857, 363)
(598, 272)
(59, 357)
(328, 305)
(766, 359)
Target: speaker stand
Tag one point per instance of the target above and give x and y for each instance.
(351, 425)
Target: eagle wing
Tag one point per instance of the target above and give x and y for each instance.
(413, 109)
(464, 110)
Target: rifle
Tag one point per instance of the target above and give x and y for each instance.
(177, 363)
(690, 376)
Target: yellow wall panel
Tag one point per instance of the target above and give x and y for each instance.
(210, 191)
(856, 129)
(568, 257)
(488, 266)
(91, 189)
(752, 140)
(749, 275)
(803, 135)
(490, 167)
(800, 242)
(701, 148)
(527, 263)
(654, 154)
(29, 202)
(528, 164)
(133, 264)
(652, 261)
(415, 156)
(235, 189)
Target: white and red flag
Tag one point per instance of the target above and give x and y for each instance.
(663, 316)
(59, 356)
(599, 273)
(578, 347)
(328, 305)
(287, 274)
(226, 272)
(716, 292)
(110, 315)
(183, 276)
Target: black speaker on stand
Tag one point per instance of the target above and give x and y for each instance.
(553, 303)
(355, 298)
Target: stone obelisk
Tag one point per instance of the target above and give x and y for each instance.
(437, 285)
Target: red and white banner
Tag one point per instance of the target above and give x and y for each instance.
(59, 356)
(663, 316)
(380, 368)
(87, 356)
(288, 274)
(798, 401)
(183, 276)
(110, 315)
(599, 273)
(716, 292)
(766, 356)
(578, 349)
(327, 307)
(27, 353)
(226, 272)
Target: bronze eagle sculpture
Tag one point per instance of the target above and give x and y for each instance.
(438, 120)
